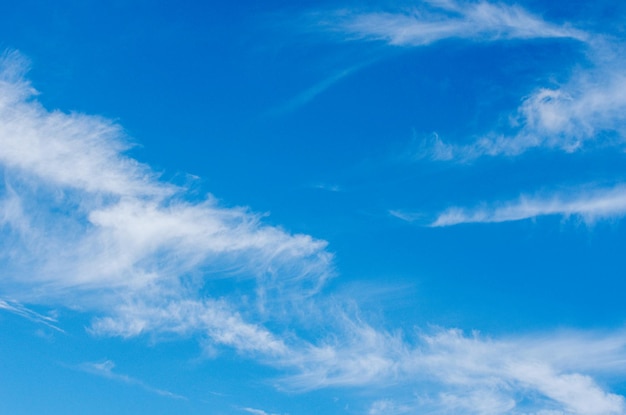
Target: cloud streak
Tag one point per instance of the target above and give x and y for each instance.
(588, 205)
(256, 411)
(105, 369)
(445, 19)
(20, 310)
(311, 93)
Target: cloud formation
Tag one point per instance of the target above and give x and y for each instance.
(85, 226)
(587, 108)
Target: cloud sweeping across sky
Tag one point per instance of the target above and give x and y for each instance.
(471, 374)
(108, 236)
(80, 217)
(143, 265)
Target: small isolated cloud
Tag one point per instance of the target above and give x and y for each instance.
(589, 205)
(444, 19)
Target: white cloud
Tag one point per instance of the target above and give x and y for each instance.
(183, 317)
(589, 108)
(589, 205)
(494, 374)
(471, 374)
(578, 393)
(70, 150)
(356, 355)
(85, 226)
(438, 20)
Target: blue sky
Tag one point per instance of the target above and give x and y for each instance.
(286, 208)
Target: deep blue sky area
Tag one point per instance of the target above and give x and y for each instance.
(282, 208)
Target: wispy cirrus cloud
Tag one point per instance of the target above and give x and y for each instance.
(435, 20)
(224, 325)
(106, 369)
(84, 225)
(69, 150)
(532, 369)
(587, 109)
(22, 311)
(405, 215)
(254, 411)
(588, 205)
(449, 371)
